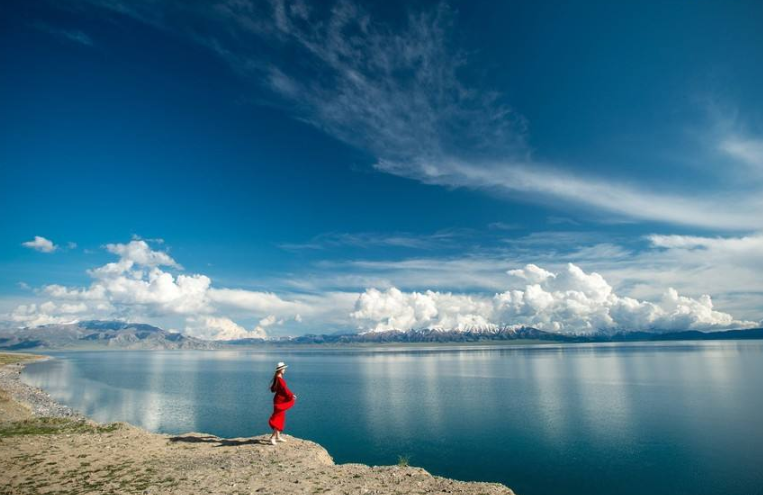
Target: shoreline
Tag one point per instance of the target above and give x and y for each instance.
(38, 401)
(53, 448)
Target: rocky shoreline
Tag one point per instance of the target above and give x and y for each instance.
(40, 403)
(46, 447)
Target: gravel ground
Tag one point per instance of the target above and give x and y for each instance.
(39, 402)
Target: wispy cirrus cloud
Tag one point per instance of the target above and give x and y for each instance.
(71, 35)
(436, 240)
(599, 196)
(398, 92)
(746, 150)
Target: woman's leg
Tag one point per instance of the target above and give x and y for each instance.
(274, 436)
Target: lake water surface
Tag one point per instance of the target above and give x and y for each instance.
(655, 418)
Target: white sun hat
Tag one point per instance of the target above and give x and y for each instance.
(281, 365)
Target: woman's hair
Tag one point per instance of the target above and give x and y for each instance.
(273, 382)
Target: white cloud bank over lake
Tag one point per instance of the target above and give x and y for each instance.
(148, 285)
(570, 301)
(140, 287)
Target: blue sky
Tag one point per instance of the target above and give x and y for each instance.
(292, 167)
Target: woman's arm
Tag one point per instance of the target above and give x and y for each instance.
(285, 389)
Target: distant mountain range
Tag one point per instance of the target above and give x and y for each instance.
(99, 334)
(508, 334)
(121, 335)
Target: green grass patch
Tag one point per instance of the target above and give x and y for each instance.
(52, 426)
(10, 358)
(403, 460)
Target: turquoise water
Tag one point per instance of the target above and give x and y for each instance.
(658, 418)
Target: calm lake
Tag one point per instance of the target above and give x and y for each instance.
(657, 418)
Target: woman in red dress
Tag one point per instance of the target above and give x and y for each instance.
(282, 401)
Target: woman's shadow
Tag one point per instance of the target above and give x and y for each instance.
(221, 442)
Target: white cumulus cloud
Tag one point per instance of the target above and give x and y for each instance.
(219, 328)
(139, 252)
(145, 284)
(40, 244)
(569, 301)
(138, 287)
(393, 309)
(46, 313)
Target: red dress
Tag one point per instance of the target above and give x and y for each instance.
(282, 401)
